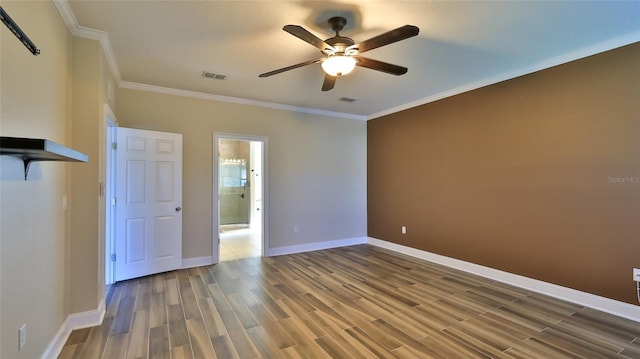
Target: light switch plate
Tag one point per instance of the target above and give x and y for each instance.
(22, 336)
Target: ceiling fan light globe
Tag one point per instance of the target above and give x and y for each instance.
(338, 65)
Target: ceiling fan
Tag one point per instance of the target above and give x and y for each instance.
(342, 54)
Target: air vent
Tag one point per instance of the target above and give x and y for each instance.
(347, 99)
(211, 75)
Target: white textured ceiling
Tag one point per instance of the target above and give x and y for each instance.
(462, 45)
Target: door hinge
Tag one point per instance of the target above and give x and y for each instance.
(114, 201)
(113, 257)
(114, 145)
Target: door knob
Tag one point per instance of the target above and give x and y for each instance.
(178, 209)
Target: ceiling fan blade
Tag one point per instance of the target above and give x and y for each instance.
(329, 82)
(380, 66)
(389, 37)
(275, 72)
(303, 34)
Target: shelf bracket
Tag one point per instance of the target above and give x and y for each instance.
(27, 165)
(34, 149)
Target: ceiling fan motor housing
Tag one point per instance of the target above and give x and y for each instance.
(339, 43)
(337, 23)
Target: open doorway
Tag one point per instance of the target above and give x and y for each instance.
(239, 183)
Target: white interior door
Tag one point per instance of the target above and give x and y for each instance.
(148, 203)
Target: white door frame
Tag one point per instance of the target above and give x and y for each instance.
(216, 198)
(108, 187)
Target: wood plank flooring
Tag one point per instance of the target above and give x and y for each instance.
(352, 302)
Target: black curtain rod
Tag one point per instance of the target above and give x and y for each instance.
(7, 20)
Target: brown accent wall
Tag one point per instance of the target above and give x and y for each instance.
(537, 176)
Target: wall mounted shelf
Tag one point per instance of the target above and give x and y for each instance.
(35, 149)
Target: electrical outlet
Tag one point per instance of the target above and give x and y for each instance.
(22, 336)
(636, 274)
(296, 229)
(403, 229)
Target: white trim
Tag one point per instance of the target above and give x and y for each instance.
(315, 246)
(610, 306)
(82, 31)
(90, 318)
(238, 100)
(215, 201)
(196, 262)
(110, 126)
(542, 65)
(67, 14)
(55, 346)
(87, 319)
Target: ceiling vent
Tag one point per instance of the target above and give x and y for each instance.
(347, 99)
(211, 75)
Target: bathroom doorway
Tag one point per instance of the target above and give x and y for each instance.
(240, 178)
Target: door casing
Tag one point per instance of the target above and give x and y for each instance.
(109, 188)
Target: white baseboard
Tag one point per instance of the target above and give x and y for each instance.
(197, 262)
(316, 246)
(607, 305)
(90, 318)
(94, 317)
(55, 346)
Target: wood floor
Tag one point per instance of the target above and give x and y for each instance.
(353, 302)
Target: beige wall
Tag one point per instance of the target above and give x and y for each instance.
(85, 213)
(524, 165)
(33, 232)
(51, 258)
(538, 176)
(316, 164)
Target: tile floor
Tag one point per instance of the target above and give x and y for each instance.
(238, 242)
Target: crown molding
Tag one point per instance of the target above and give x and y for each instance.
(82, 31)
(542, 65)
(85, 32)
(237, 100)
